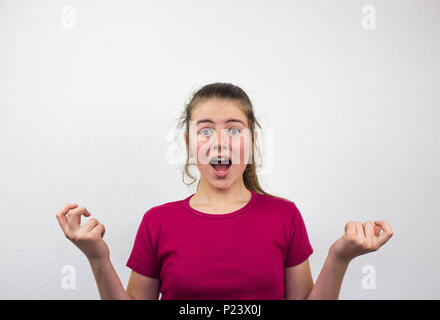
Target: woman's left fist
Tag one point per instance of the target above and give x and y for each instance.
(360, 239)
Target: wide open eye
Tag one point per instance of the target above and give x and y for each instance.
(206, 130)
(234, 131)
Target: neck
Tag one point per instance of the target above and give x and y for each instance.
(209, 194)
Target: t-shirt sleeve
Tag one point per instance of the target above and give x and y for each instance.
(143, 258)
(299, 247)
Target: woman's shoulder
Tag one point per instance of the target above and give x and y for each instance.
(277, 201)
(281, 205)
(164, 208)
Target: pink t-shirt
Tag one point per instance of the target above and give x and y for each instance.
(239, 255)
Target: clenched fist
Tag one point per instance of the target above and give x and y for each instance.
(361, 239)
(88, 237)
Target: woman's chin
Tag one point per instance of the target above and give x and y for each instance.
(221, 185)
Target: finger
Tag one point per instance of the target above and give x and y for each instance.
(74, 217)
(360, 231)
(99, 230)
(383, 225)
(350, 230)
(61, 216)
(387, 234)
(369, 230)
(89, 225)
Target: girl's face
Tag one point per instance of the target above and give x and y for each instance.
(218, 128)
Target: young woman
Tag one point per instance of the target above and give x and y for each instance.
(230, 239)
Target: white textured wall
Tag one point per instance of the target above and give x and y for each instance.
(85, 113)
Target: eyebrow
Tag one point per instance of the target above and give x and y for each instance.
(227, 121)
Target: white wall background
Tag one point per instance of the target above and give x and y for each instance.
(87, 101)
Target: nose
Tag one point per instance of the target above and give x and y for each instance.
(222, 140)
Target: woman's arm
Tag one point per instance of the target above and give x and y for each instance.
(328, 284)
(299, 281)
(109, 284)
(139, 287)
(358, 239)
(89, 239)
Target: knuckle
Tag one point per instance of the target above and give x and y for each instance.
(352, 239)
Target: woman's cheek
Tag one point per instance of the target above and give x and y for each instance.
(244, 151)
(202, 150)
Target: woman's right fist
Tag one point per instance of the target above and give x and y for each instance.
(88, 237)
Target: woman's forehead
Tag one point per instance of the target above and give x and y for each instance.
(218, 112)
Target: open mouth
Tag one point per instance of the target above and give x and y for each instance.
(220, 166)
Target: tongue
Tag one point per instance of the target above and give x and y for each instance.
(220, 167)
